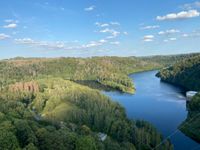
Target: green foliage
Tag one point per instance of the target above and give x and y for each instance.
(30, 147)
(191, 126)
(185, 73)
(194, 105)
(8, 140)
(110, 72)
(169, 59)
(24, 133)
(66, 115)
(58, 112)
(86, 143)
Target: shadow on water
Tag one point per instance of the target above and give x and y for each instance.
(160, 103)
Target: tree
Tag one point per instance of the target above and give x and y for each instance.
(8, 140)
(86, 143)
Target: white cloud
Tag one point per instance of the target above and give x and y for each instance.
(115, 43)
(91, 8)
(25, 41)
(49, 7)
(110, 37)
(185, 35)
(103, 41)
(91, 44)
(43, 44)
(94, 44)
(107, 24)
(172, 39)
(104, 25)
(8, 20)
(115, 23)
(113, 32)
(150, 27)
(105, 30)
(148, 38)
(3, 36)
(11, 21)
(125, 33)
(167, 32)
(194, 34)
(11, 25)
(97, 23)
(193, 5)
(60, 44)
(166, 40)
(180, 15)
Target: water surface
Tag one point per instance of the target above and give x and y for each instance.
(161, 104)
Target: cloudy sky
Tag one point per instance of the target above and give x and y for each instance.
(83, 28)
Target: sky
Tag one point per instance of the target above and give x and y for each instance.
(85, 28)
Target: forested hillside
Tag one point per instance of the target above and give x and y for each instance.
(52, 104)
(186, 73)
(49, 104)
(168, 60)
(191, 126)
(96, 72)
(53, 113)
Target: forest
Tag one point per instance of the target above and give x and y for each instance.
(168, 60)
(57, 103)
(186, 74)
(54, 113)
(96, 72)
(191, 125)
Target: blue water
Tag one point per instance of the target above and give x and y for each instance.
(161, 104)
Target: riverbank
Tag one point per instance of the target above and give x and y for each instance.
(159, 103)
(186, 73)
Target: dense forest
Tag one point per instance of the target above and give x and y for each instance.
(55, 104)
(54, 113)
(191, 126)
(186, 73)
(96, 72)
(168, 60)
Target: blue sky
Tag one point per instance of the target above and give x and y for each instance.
(84, 28)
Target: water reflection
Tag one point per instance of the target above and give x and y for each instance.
(160, 103)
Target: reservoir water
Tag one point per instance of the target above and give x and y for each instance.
(161, 104)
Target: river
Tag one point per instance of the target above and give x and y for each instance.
(159, 103)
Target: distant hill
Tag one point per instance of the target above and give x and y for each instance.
(96, 72)
(185, 73)
(110, 72)
(168, 60)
